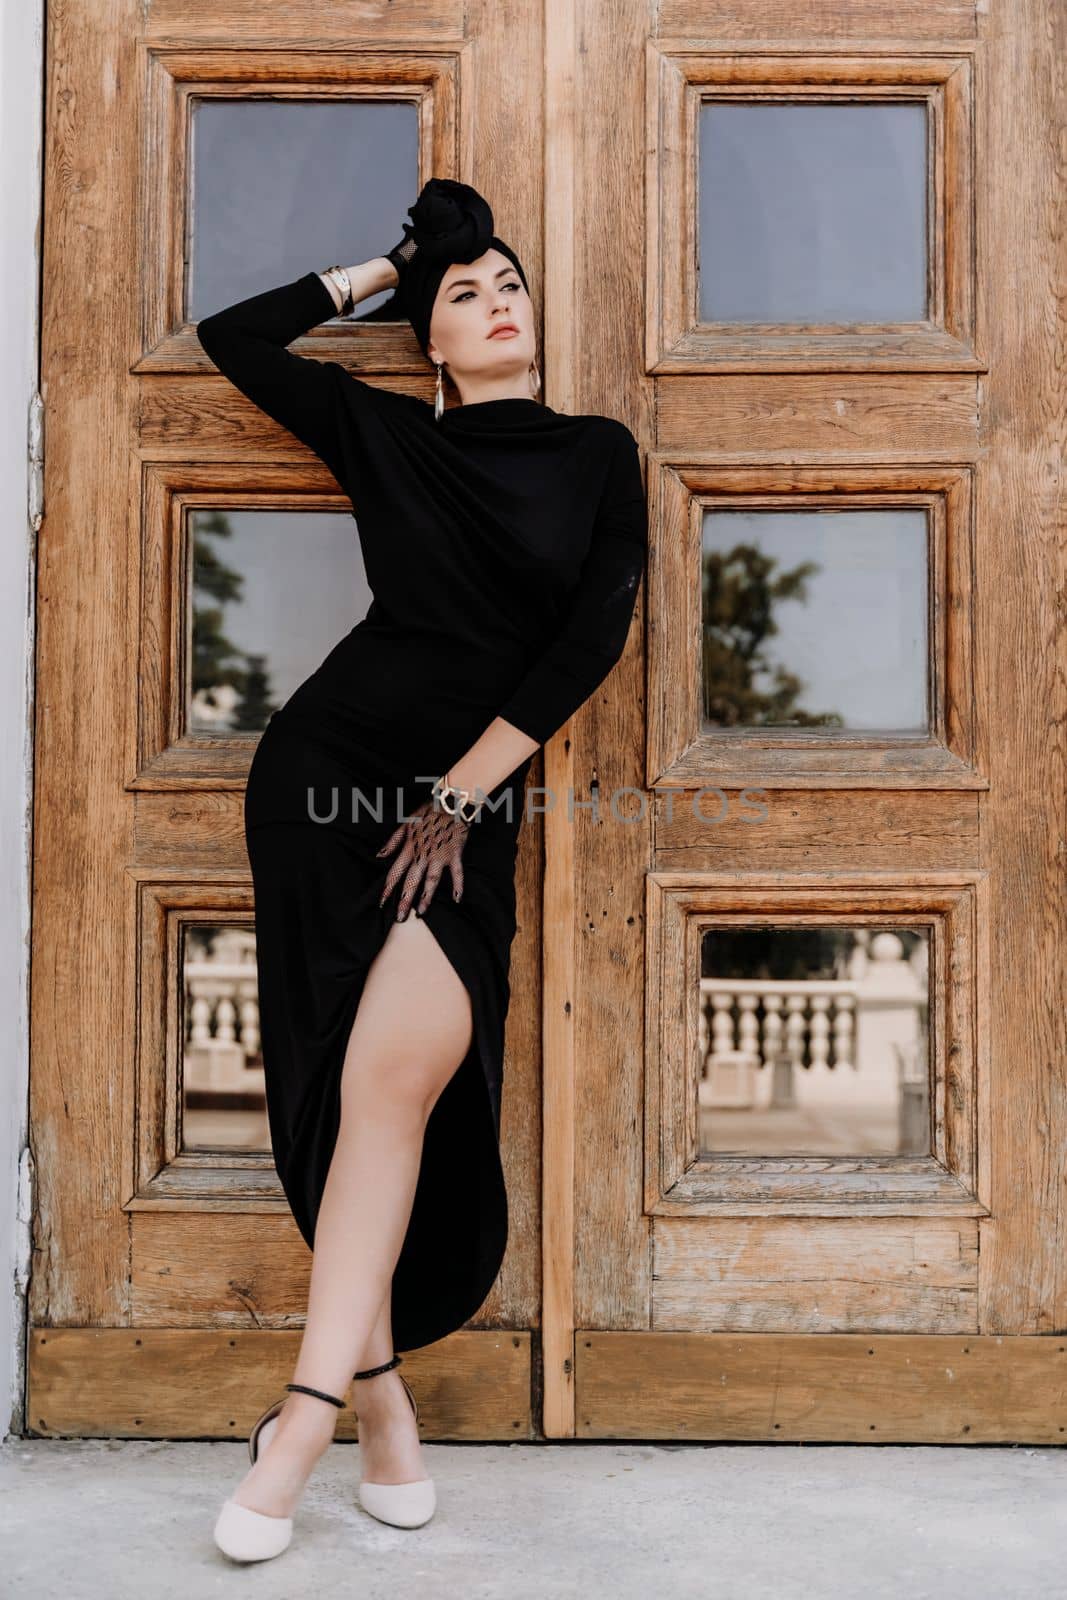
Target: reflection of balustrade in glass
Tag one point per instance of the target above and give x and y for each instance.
(847, 1056)
(813, 1010)
(222, 1043)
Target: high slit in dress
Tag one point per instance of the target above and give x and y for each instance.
(503, 546)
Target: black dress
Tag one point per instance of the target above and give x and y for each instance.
(503, 546)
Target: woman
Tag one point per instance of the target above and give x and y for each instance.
(504, 544)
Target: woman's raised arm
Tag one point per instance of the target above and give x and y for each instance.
(247, 342)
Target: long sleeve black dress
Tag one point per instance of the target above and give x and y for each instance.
(504, 547)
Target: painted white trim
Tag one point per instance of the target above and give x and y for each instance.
(21, 126)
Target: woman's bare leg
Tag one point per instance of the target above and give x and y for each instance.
(398, 1059)
(389, 1448)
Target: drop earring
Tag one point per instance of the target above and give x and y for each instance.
(439, 397)
(535, 377)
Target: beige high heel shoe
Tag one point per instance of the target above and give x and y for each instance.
(404, 1505)
(247, 1535)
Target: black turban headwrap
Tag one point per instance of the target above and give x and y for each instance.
(450, 222)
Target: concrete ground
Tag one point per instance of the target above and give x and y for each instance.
(119, 1520)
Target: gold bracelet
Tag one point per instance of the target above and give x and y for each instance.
(447, 792)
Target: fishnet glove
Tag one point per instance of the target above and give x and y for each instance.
(400, 255)
(448, 220)
(430, 840)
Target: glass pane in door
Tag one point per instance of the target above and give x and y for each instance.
(813, 1041)
(223, 1101)
(812, 213)
(271, 593)
(815, 620)
(282, 187)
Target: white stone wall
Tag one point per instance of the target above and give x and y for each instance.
(21, 111)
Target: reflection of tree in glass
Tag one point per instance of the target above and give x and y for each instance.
(230, 687)
(781, 954)
(200, 941)
(255, 705)
(789, 955)
(740, 589)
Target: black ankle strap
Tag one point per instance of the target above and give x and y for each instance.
(372, 1372)
(318, 1393)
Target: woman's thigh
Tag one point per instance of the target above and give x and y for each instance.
(413, 1026)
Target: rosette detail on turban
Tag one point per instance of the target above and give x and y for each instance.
(450, 221)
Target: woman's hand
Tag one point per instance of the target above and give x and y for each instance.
(431, 839)
(400, 255)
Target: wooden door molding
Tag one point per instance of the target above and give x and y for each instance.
(164, 755)
(678, 79)
(683, 1181)
(683, 754)
(165, 1174)
(174, 77)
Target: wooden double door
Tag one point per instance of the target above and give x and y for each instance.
(784, 1113)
